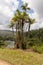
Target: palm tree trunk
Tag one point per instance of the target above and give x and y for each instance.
(22, 39)
(18, 38)
(20, 35)
(13, 32)
(29, 30)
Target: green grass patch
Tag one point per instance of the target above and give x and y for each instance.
(20, 57)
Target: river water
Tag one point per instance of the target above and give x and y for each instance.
(10, 44)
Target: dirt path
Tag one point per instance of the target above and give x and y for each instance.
(4, 63)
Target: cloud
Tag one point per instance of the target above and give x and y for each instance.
(36, 5)
(34, 16)
(34, 26)
(7, 9)
(4, 27)
(3, 19)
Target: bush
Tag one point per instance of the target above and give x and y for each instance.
(3, 44)
(38, 48)
(29, 42)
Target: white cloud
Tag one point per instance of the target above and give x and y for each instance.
(34, 16)
(25, 1)
(36, 5)
(35, 26)
(4, 27)
(7, 9)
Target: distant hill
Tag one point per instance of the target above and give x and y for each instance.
(5, 32)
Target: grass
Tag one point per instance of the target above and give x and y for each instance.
(20, 57)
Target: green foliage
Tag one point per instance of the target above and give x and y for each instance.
(38, 48)
(25, 7)
(2, 44)
(35, 39)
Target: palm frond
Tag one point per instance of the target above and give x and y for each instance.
(28, 8)
(23, 7)
(31, 21)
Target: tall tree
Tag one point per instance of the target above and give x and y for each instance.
(20, 18)
(29, 20)
(17, 20)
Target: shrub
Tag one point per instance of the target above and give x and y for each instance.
(38, 48)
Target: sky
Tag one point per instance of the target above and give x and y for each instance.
(8, 8)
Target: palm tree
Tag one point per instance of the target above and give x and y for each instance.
(17, 20)
(31, 21)
(25, 8)
(20, 18)
(28, 19)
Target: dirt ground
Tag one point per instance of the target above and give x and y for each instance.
(4, 63)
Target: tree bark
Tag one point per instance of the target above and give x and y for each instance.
(18, 37)
(29, 30)
(13, 32)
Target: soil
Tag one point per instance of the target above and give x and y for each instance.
(4, 63)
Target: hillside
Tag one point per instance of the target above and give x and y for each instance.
(6, 33)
